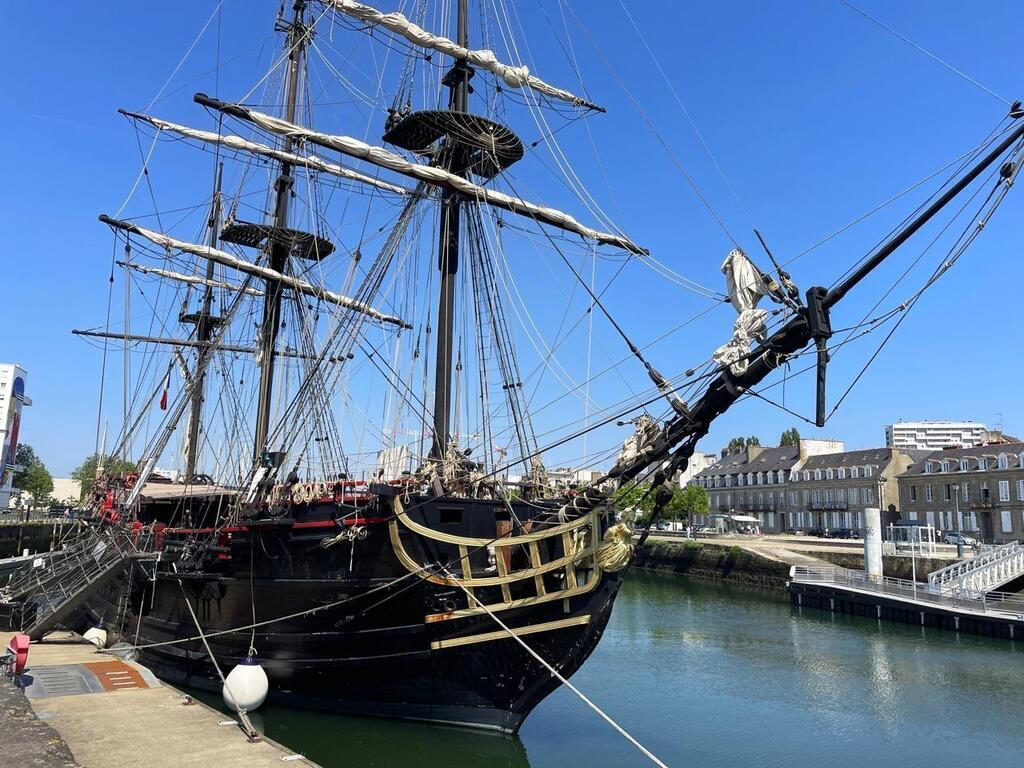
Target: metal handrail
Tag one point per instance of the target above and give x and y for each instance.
(983, 560)
(997, 602)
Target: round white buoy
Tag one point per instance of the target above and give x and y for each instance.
(246, 686)
(97, 636)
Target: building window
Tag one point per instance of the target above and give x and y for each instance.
(868, 470)
(982, 464)
(841, 495)
(928, 493)
(965, 491)
(828, 473)
(1004, 490)
(842, 473)
(1003, 462)
(817, 497)
(792, 498)
(854, 472)
(983, 492)
(807, 475)
(807, 498)
(853, 495)
(947, 492)
(869, 496)
(927, 467)
(964, 465)
(1007, 522)
(817, 474)
(913, 494)
(781, 478)
(1020, 490)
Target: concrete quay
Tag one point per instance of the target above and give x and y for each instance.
(80, 707)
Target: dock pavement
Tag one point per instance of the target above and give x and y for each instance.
(79, 707)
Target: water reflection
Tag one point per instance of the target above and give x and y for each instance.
(716, 676)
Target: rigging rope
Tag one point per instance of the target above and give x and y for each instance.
(926, 52)
(561, 678)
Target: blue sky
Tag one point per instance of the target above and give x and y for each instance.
(815, 114)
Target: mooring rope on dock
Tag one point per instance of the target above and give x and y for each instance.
(245, 724)
(561, 678)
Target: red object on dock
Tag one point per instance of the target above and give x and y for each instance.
(18, 654)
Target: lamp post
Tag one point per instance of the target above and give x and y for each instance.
(959, 536)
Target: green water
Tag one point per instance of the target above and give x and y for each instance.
(710, 675)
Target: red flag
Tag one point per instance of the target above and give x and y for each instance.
(163, 397)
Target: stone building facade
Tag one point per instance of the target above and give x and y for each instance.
(832, 490)
(754, 482)
(979, 491)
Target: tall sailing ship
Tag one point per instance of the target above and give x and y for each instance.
(349, 403)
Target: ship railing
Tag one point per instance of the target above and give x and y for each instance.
(574, 565)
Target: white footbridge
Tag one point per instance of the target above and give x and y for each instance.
(990, 570)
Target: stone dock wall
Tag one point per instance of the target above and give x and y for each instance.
(712, 561)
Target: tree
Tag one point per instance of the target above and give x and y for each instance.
(790, 437)
(33, 477)
(25, 458)
(738, 444)
(634, 502)
(39, 483)
(85, 473)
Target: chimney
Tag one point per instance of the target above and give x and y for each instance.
(753, 451)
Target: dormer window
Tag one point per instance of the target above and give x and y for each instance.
(868, 470)
(828, 473)
(817, 474)
(982, 464)
(854, 472)
(964, 465)
(807, 475)
(945, 466)
(842, 473)
(1003, 462)
(928, 467)
(781, 477)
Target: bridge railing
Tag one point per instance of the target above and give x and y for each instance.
(994, 602)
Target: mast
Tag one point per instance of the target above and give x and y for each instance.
(457, 80)
(279, 250)
(205, 324)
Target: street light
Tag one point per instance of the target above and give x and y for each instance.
(959, 536)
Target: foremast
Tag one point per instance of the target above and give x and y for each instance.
(453, 160)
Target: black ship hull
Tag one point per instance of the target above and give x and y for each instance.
(350, 627)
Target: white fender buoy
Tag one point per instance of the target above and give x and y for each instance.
(246, 686)
(97, 636)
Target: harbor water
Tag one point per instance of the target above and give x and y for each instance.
(708, 674)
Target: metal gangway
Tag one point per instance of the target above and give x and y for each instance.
(987, 572)
(47, 591)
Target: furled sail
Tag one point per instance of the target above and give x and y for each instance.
(514, 77)
(229, 260)
(745, 285)
(190, 279)
(238, 143)
(352, 147)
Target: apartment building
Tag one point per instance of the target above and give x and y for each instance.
(977, 490)
(832, 490)
(934, 435)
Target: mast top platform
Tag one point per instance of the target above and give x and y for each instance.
(301, 245)
(487, 147)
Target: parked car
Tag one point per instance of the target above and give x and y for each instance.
(954, 537)
(843, 533)
(819, 531)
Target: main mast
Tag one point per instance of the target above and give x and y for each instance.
(279, 247)
(457, 80)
